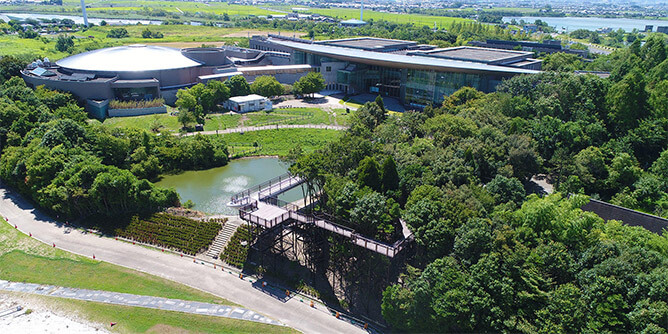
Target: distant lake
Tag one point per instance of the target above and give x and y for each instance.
(590, 23)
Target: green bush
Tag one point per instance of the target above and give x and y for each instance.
(116, 104)
(174, 232)
(235, 253)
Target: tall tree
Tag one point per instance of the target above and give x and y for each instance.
(627, 100)
(238, 86)
(267, 86)
(368, 174)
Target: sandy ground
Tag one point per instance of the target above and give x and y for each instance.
(40, 319)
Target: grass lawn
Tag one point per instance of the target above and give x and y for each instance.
(226, 121)
(280, 141)
(143, 320)
(24, 259)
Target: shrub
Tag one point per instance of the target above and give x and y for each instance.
(116, 104)
(174, 232)
(235, 253)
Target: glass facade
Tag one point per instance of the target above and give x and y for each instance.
(415, 88)
(430, 87)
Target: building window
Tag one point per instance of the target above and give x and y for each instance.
(328, 69)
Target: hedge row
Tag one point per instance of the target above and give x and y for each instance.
(174, 232)
(234, 253)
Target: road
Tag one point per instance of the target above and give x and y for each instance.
(270, 127)
(289, 311)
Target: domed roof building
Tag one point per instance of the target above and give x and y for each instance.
(130, 58)
(139, 72)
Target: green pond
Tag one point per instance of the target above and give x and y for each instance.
(211, 189)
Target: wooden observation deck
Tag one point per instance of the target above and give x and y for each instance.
(259, 205)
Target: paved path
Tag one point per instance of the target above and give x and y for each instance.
(270, 127)
(138, 301)
(289, 311)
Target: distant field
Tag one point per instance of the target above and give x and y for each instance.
(343, 13)
(96, 38)
(115, 8)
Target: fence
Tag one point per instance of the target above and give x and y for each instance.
(264, 186)
(246, 213)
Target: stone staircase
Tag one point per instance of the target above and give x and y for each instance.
(223, 238)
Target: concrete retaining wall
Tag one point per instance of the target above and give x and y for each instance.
(609, 211)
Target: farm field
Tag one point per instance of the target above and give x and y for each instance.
(418, 19)
(136, 9)
(96, 38)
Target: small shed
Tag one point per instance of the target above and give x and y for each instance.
(248, 103)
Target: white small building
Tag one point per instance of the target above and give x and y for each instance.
(248, 103)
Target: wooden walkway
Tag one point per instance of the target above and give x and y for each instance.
(271, 188)
(261, 207)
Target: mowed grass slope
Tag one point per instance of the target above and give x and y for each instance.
(144, 320)
(24, 259)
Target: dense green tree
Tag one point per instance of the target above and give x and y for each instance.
(506, 189)
(653, 52)
(369, 174)
(10, 66)
(186, 118)
(379, 102)
(562, 62)
(267, 86)
(118, 33)
(627, 100)
(658, 100)
(389, 175)
(64, 43)
(238, 86)
(309, 84)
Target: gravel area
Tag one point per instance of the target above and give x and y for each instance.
(34, 317)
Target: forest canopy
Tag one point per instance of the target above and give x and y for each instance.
(494, 252)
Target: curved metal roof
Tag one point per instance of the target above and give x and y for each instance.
(399, 60)
(129, 58)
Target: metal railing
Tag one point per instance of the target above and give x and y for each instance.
(356, 238)
(242, 198)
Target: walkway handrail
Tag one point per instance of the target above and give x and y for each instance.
(263, 187)
(356, 238)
